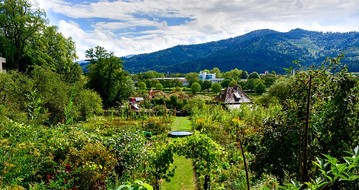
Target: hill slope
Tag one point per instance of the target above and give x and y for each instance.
(256, 51)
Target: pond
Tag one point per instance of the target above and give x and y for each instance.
(179, 133)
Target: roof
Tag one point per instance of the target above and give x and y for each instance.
(137, 99)
(233, 95)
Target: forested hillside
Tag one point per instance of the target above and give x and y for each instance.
(256, 51)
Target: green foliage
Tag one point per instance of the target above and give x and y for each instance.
(192, 78)
(88, 104)
(207, 155)
(142, 86)
(206, 85)
(216, 71)
(234, 74)
(244, 75)
(232, 83)
(250, 84)
(216, 87)
(194, 105)
(14, 87)
(332, 121)
(27, 41)
(225, 82)
(91, 164)
(278, 92)
(19, 22)
(161, 159)
(332, 173)
(90, 156)
(136, 185)
(57, 102)
(107, 77)
(149, 75)
(51, 49)
(195, 88)
(268, 79)
(36, 112)
(254, 75)
(159, 86)
(157, 125)
(259, 86)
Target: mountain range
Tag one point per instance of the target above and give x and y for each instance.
(258, 51)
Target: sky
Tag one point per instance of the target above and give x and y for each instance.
(128, 27)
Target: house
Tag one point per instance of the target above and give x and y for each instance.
(233, 97)
(209, 76)
(134, 102)
(2, 61)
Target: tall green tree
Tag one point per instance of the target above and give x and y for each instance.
(159, 86)
(191, 78)
(50, 48)
(234, 74)
(206, 85)
(19, 22)
(107, 77)
(195, 87)
(142, 86)
(216, 71)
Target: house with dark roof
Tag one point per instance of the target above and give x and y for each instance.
(233, 97)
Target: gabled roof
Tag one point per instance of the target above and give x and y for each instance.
(233, 95)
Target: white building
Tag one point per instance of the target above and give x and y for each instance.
(2, 61)
(209, 76)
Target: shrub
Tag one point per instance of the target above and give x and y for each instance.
(156, 125)
(91, 165)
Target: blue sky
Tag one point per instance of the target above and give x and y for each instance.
(128, 27)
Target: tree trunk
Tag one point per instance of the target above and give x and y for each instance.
(206, 185)
(305, 146)
(244, 162)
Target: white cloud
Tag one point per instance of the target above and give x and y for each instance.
(208, 20)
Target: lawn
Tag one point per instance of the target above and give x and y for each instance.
(184, 178)
(181, 123)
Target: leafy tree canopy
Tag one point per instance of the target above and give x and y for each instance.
(254, 75)
(195, 87)
(107, 77)
(216, 87)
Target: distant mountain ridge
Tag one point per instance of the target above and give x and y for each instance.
(259, 50)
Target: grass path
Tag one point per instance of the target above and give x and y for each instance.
(181, 123)
(184, 178)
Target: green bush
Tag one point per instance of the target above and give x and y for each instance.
(88, 103)
(91, 165)
(157, 125)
